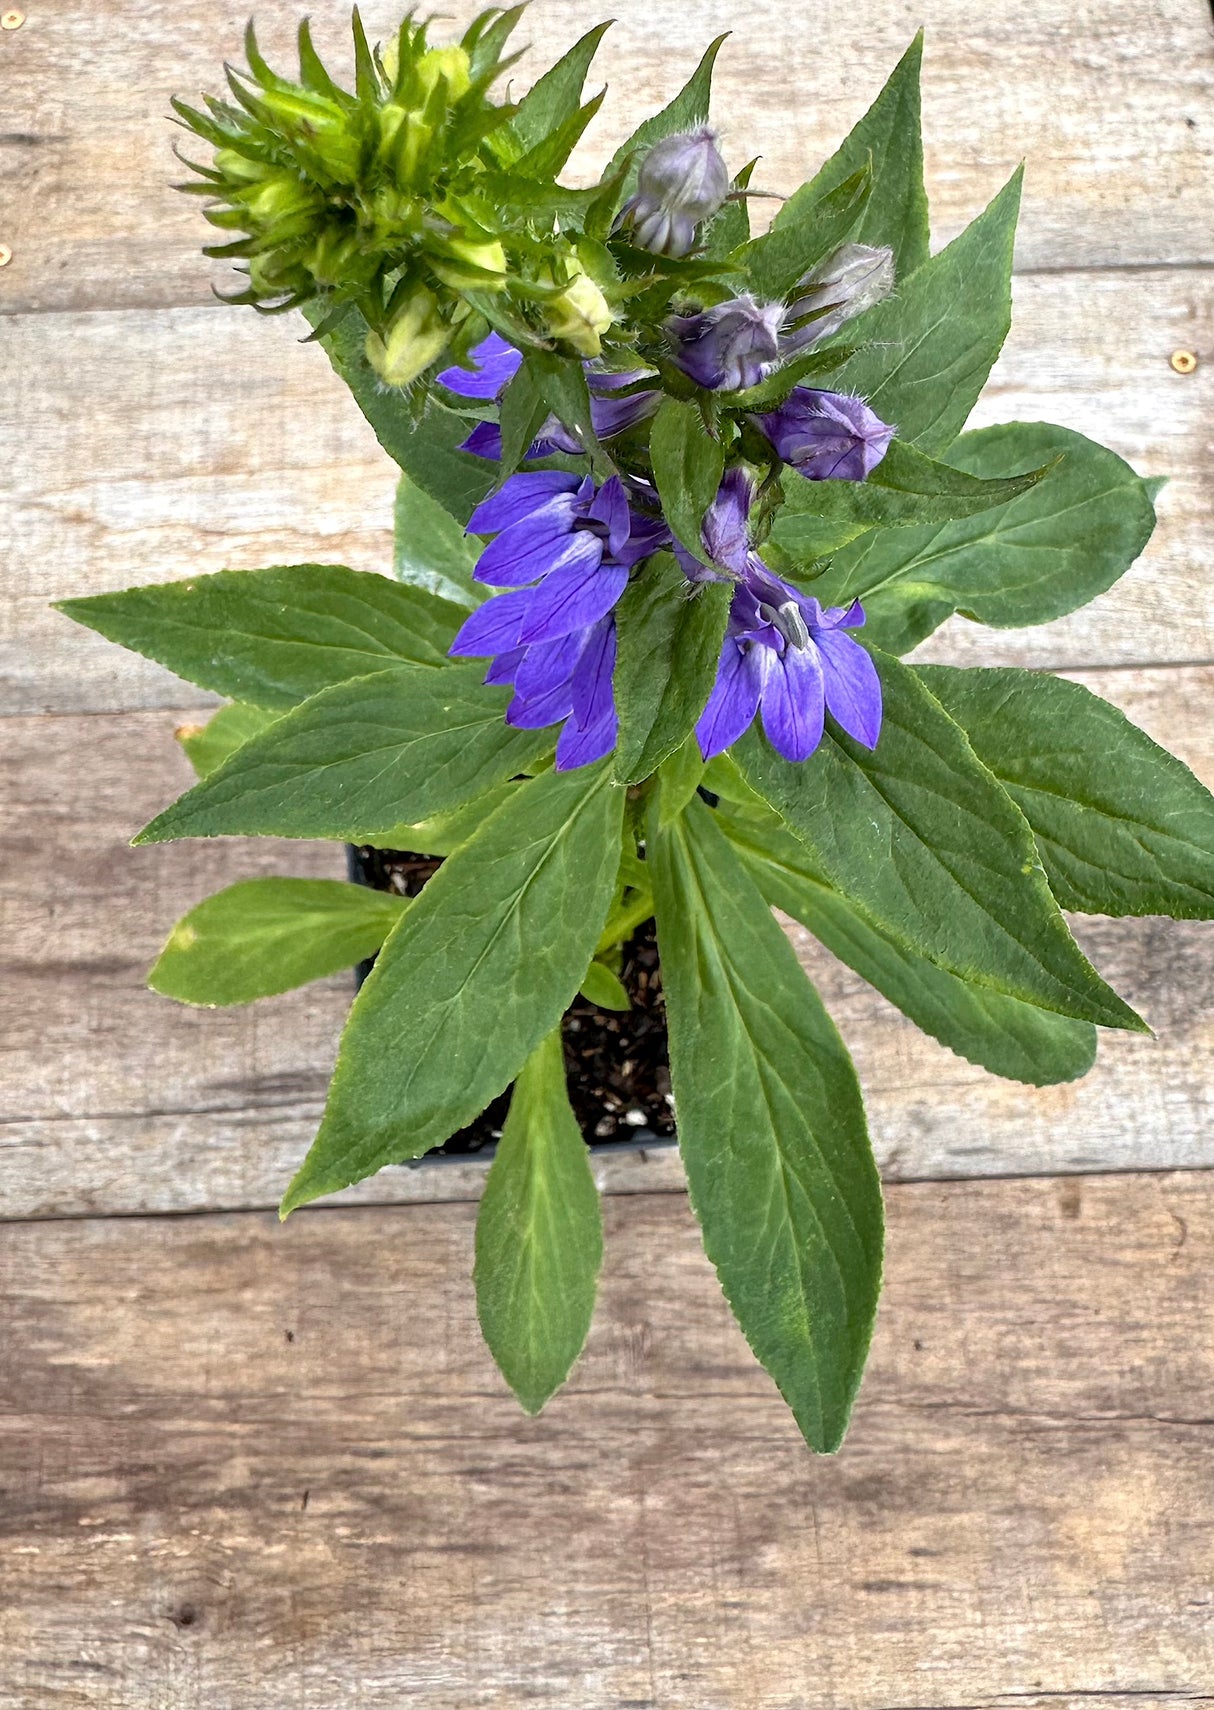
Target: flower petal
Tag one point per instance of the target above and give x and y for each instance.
(575, 596)
(582, 747)
(497, 362)
(592, 697)
(518, 498)
(852, 686)
(529, 548)
(493, 627)
(539, 710)
(733, 702)
(610, 508)
(793, 700)
(549, 664)
(505, 665)
(485, 440)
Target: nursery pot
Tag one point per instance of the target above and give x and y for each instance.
(617, 1062)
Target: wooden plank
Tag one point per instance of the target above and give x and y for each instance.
(116, 1100)
(1106, 100)
(194, 440)
(237, 1453)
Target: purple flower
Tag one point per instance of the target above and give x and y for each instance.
(553, 641)
(497, 362)
(848, 282)
(826, 435)
(682, 181)
(729, 346)
(788, 659)
(609, 415)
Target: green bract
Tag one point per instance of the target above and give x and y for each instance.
(718, 458)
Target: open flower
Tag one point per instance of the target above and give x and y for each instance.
(826, 435)
(554, 639)
(786, 658)
(730, 346)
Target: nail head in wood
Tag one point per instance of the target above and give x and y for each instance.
(1183, 361)
(6, 255)
(11, 20)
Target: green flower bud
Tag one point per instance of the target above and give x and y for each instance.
(580, 315)
(463, 263)
(449, 62)
(417, 337)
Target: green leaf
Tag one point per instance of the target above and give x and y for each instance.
(431, 550)
(889, 137)
(549, 155)
(924, 353)
(730, 228)
(1000, 1034)
(679, 777)
(521, 415)
(687, 466)
(905, 489)
(779, 259)
(264, 936)
(1042, 555)
(1123, 827)
(601, 986)
(668, 644)
(688, 109)
(557, 94)
(561, 385)
(208, 745)
(425, 444)
(274, 637)
(771, 1129)
(539, 1235)
(921, 838)
(480, 970)
(396, 747)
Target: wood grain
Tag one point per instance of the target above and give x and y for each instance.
(116, 1100)
(1108, 100)
(197, 440)
(244, 1464)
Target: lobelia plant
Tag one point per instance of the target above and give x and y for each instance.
(674, 503)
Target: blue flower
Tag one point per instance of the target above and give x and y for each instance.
(730, 346)
(826, 435)
(565, 549)
(786, 658)
(496, 363)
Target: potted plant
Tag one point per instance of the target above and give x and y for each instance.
(675, 502)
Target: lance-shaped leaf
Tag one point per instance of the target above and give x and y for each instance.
(425, 443)
(539, 1235)
(431, 550)
(274, 637)
(394, 748)
(1042, 555)
(924, 354)
(688, 109)
(554, 99)
(923, 840)
(481, 968)
(687, 466)
(207, 746)
(777, 260)
(668, 644)
(904, 490)
(889, 139)
(771, 1128)
(1124, 828)
(999, 1033)
(263, 936)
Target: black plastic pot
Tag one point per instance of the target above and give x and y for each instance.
(600, 1045)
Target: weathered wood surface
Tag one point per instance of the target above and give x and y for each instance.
(182, 441)
(1109, 101)
(249, 1466)
(116, 1100)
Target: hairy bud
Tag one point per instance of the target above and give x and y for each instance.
(730, 346)
(416, 337)
(826, 435)
(682, 182)
(848, 282)
(580, 315)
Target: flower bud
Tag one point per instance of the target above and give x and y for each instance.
(730, 346)
(449, 62)
(580, 315)
(826, 435)
(848, 282)
(682, 181)
(417, 337)
(465, 263)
